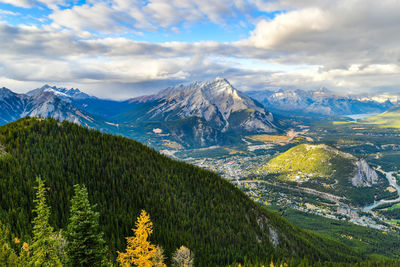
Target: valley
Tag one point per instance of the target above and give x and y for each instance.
(189, 133)
(322, 170)
(241, 165)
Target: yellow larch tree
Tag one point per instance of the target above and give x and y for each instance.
(139, 250)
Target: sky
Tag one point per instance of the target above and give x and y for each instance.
(125, 48)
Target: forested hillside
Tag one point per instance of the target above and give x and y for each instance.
(188, 205)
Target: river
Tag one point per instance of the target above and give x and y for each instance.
(357, 117)
(392, 181)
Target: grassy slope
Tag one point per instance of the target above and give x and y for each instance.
(188, 205)
(331, 172)
(320, 160)
(390, 118)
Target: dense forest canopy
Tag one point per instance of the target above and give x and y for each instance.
(188, 205)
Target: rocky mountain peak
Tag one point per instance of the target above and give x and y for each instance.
(216, 101)
(6, 93)
(72, 93)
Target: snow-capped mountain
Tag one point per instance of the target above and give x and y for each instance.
(319, 102)
(217, 102)
(382, 98)
(64, 93)
(48, 104)
(43, 102)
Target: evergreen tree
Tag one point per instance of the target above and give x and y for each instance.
(139, 250)
(7, 254)
(45, 243)
(85, 244)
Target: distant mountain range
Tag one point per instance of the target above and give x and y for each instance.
(319, 103)
(197, 115)
(200, 114)
(43, 102)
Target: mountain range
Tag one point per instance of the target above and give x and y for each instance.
(43, 102)
(199, 114)
(318, 102)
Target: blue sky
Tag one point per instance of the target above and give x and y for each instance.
(123, 48)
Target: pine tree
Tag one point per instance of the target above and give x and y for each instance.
(139, 250)
(85, 244)
(45, 243)
(7, 254)
(183, 257)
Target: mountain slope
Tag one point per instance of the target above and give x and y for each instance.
(46, 102)
(188, 205)
(198, 115)
(64, 93)
(328, 169)
(390, 118)
(216, 102)
(320, 102)
(11, 105)
(222, 111)
(104, 108)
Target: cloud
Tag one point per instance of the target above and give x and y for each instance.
(290, 26)
(33, 3)
(344, 45)
(19, 3)
(134, 15)
(332, 35)
(9, 13)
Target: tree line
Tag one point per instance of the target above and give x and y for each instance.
(82, 244)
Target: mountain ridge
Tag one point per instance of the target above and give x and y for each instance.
(215, 101)
(327, 169)
(318, 102)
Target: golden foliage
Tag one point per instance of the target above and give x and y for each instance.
(139, 250)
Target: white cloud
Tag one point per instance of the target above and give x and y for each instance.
(20, 3)
(345, 44)
(33, 3)
(127, 15)
(289, 26)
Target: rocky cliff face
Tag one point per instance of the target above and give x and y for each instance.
(217, 102)
(364, 174)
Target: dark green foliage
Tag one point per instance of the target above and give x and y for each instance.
(363, 239)
(45, 244)
(85, 244)
(188, 205)
(7, 255)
